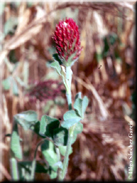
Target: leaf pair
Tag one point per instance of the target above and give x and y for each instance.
(49, 127)
(74, 116)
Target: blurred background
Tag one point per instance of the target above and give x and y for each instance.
(105, 73)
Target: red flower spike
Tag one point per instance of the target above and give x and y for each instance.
(67, 39)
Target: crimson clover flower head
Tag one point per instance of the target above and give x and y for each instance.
(67, 40)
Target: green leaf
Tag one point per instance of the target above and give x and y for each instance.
(55, 65)
(62, 150)
(78, 129)
(59, 165)
(36, 128)
(61, 61)
(78, 95)
(15, 143)
(84, 105)
(26, 119)
(6, 83)
(56, 58)
(52, 174)
(47, 125)
(48, 151)
(42, 126)
(70, 118)
(60, 136)
(71, 114)
(70, 122)
(80, 105)
(71, 62)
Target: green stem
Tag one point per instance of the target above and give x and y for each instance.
(34, 161)
(33, 169)
(69, 100)
(68, 80)
(70, 136)
(59, 159)
(66, 159)
(58, 152)
(14, 169)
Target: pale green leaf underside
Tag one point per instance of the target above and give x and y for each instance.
(80, 105)
(48, 151)
(56, 66)
(26, 119)
(15, 143)
(62, 150)
(70, 122)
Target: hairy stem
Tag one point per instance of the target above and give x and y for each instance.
(59, 159)
(68, 80)
(34, 161)
(69, 101)
(14, 169)
(66, 159)
(70, 136)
